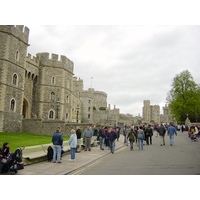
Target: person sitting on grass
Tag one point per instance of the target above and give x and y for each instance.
(4, 154)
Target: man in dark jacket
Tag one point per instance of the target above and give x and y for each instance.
(111, 137)
(78, 134)
(57, 141)
(161, 130)
(149, 134)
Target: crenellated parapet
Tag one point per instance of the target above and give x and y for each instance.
(32, 65)
(19, 31)
(55, 61)
(33, 60)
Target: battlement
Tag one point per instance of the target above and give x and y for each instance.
(77, 79)
(33, 60)
(55, 61)
(19, 31)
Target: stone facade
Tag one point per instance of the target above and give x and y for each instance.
(151, 113)
(43, 87)
(166, 117)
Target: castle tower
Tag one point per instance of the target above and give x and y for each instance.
(146, 111)
(55, 85)
(13, 43)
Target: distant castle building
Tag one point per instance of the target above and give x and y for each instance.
(43, 87)
(151, 113)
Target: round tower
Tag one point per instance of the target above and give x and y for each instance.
(13, 43)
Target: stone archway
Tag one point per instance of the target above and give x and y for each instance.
(25, 109)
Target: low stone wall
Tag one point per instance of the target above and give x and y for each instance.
(48, 127)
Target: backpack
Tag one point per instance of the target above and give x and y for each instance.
(149, 130)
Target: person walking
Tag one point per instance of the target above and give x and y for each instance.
(126, 132)
(131, 137)
(87, 137)
(72, 143)
(57, 141)
(78, 135)
(171, 132)
(95, 133)
(106, 138)
(102, 137)
(117, 129)
(149, 134)
(140, 137)
(111, 137)
(162, 130)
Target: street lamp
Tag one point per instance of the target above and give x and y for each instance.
(57, 109)
(77, 112)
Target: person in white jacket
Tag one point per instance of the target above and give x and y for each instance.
(72, 143)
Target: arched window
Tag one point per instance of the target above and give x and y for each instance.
(52, 97)
(12, 105)
(89, 109)
(14, 79)
(17, 55)
(53, 80)
(51, 114)
(89, 116)
(67, 99)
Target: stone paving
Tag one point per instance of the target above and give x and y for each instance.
(82, 159)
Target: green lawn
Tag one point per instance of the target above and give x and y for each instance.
(16, 140)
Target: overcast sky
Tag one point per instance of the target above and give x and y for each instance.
(129, 63)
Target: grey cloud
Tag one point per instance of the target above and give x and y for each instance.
(129, 63)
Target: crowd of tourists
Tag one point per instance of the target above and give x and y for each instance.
(137, 136)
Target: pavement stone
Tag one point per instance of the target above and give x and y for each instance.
(83, 158)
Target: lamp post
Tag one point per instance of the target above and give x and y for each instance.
(77, 112)
(57, 109)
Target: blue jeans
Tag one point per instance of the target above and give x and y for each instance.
(171, 139)
(72, 152)
(140, 142)
(56, 153)
(101, 142)
(131, 144)
(112, 145)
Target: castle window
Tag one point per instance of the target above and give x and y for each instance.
(12, 105)
(52, 96)
(67, 115)
(53, 80)
(89, 109)
(51, 114)
(14, 79)
(17, 55)
(67, 99)
(89, 116)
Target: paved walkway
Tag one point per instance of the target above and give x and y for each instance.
(82, 159)
(182, 158)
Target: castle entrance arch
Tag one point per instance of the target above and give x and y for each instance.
(25, 109)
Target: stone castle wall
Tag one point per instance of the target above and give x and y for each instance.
(47, 127)
(13, 43)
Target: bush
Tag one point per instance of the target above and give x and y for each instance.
(102, 108)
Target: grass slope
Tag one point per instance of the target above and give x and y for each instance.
(16, 140)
